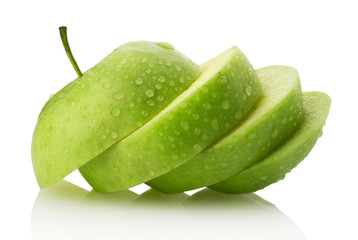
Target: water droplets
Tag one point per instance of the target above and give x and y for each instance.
(225, 104)
(207, 106)
(197, 147)
(197, 131)
(248, 90)
(139, 81)
(161, 79)
(114, 135)
(149, 93)
(144, 113)
(107, 85)
(274, 133)
(196, 116)
(185, 125)
(119, 96)
(150, 103)
(116, 112)
(215, 124)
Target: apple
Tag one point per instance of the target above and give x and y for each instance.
(273, 118)
(274, 167)
(108, 102)
(226, 89)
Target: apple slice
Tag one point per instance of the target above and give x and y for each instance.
(111, 100)
(275, 166)
(273, 118)
(224, 92)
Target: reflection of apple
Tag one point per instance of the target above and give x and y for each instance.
(218, 99)
(281, 161)
(273, 118)
(114, 98)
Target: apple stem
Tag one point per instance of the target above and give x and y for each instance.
(63, 34)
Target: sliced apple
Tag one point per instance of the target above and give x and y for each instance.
(273, 118)
(111, 100)
(275, 166)
(226, 89)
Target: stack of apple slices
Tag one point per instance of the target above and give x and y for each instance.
(148, 114)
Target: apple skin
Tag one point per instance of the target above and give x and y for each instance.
(114, 98)
(276, 165)
(273, 118)
(224, 92)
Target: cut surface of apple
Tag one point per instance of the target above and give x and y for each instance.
(272, 119)
(114, 98)
(289, 154)
(224, 92)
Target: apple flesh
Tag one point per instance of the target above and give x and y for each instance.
(273, 118)
(114, 98)
(226, 89)
(275, 166)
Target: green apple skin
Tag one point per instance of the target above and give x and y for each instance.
(114, 98)
(272, 119)
(224, 92)
(276, 165)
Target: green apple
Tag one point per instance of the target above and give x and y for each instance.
(111, 100)
(273, 118)
(275, 166)
(226, 89)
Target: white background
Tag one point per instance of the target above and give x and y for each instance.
(317, 200)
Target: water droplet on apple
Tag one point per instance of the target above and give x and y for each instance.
(161, 79)
(207, 106)
(150, 103)
(178, 68)
(225, 104)
(160, 98)
(197, 147)
(107, 85)
(171, 139)
(116, 112)
(197, 131)
(172, 83)
(114, 135)
(119, 96)
(148, 70)
(215, 124)
(144, 113)
(139, 81)
(185, 125)
(274, 133)
(248, 90)
(149, 93)
(158, 86)
(196, 116)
